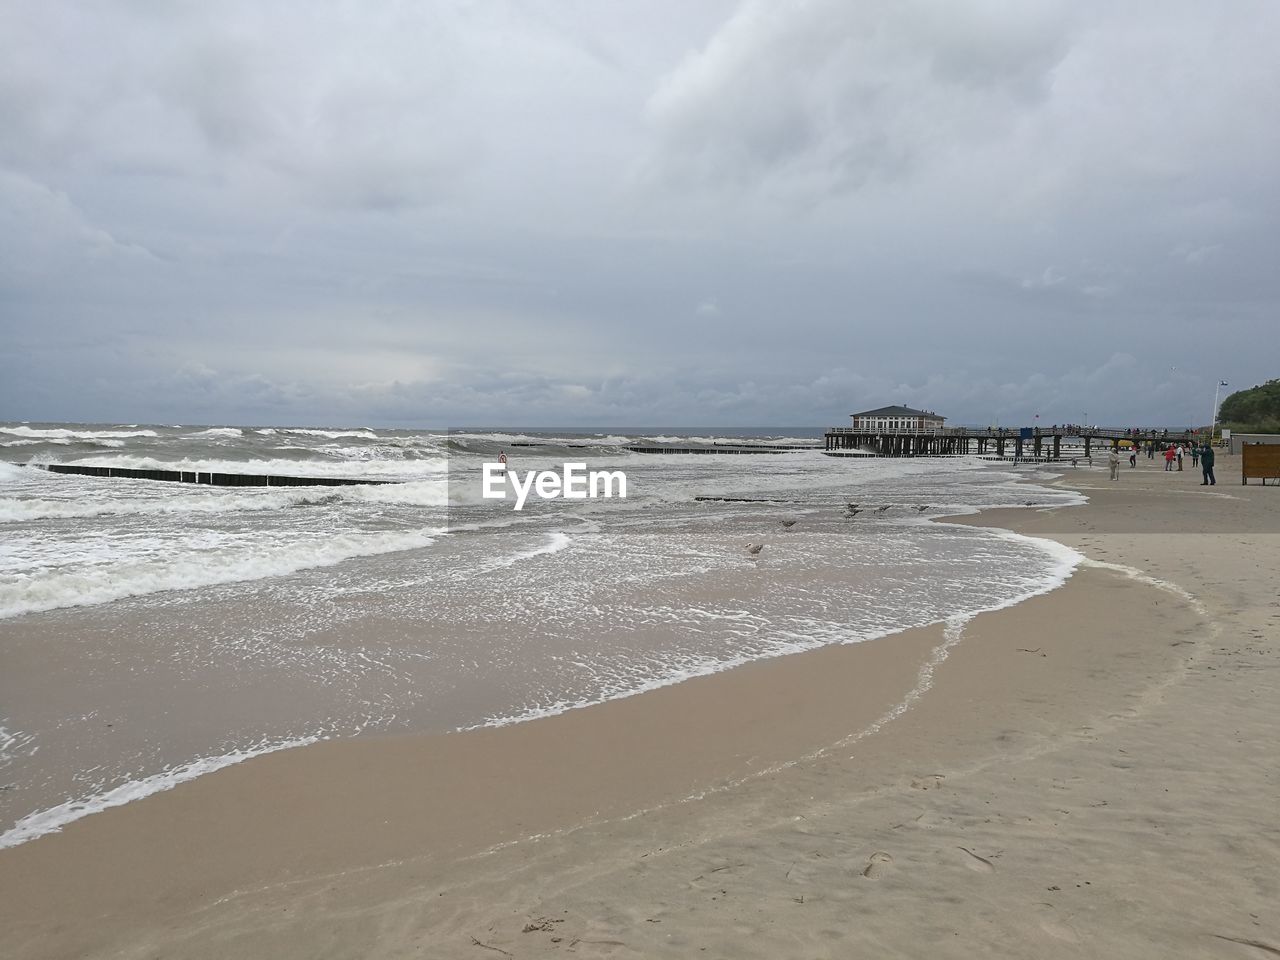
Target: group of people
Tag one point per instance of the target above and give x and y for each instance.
(1201, 456)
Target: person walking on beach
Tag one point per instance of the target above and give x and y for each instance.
(1168, 458)
(1133, 456)
(1206, 466)
(1195, 456)
(1113, 461)
(1179, 455)
(1151, 450)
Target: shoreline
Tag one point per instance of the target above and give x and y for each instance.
(384, 810)
(181, 769)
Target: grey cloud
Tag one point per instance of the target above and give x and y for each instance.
(580, 213)
(845, 93)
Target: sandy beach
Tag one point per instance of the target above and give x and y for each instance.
(1089, 773)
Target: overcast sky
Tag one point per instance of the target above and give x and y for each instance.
(573, 212)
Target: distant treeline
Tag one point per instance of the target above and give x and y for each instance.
(1256, 410)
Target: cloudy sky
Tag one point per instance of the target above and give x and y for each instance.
(574, 212)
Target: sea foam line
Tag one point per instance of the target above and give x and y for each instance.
(55, 818)
(555, 543)
(89, 587)
(1064, 560)
(424, 493)
(60, 433)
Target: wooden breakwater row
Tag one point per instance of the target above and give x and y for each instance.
(737, 448)
(206, 477)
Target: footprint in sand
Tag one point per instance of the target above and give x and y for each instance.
(877, 865)
(1059, 931)
(977, 863)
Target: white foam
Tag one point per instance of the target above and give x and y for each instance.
(1063, 563)
(555, 543)
(103, 583)
(11, 741)
(350, 469)
(55, 818)
(220, 501)
(60, 433)
(221, 432)
(330, 434)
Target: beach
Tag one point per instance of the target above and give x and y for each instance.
(1090, 772)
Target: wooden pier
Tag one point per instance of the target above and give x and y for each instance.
(1025, 443)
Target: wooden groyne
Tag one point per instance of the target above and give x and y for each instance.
(205, 477)
(745, 448)
(735, 448)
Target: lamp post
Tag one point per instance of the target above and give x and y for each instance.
(1213, 423)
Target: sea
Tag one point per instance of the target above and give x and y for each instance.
(152, 632)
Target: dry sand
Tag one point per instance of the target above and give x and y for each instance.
(1090, 773)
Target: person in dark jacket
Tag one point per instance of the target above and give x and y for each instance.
(1206, 466)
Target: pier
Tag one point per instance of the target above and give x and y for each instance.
(1001, 443)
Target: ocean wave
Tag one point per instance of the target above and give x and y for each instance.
(60, 433)
(428, 493)
(63, 442)
(398, 469)
(330, 434)
(220, 432)
(555, 543)
(39, 592)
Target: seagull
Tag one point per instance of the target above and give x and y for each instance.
(755, 548)
(922, 508)
(789, 523)
(882, 509)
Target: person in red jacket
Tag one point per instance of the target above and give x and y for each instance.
(1169, 456)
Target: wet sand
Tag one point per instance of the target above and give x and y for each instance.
(1091, 772)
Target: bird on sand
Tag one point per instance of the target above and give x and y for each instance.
(789, 523)
(922, 508)
(882, 509)
(854, 507)
(754, 549)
